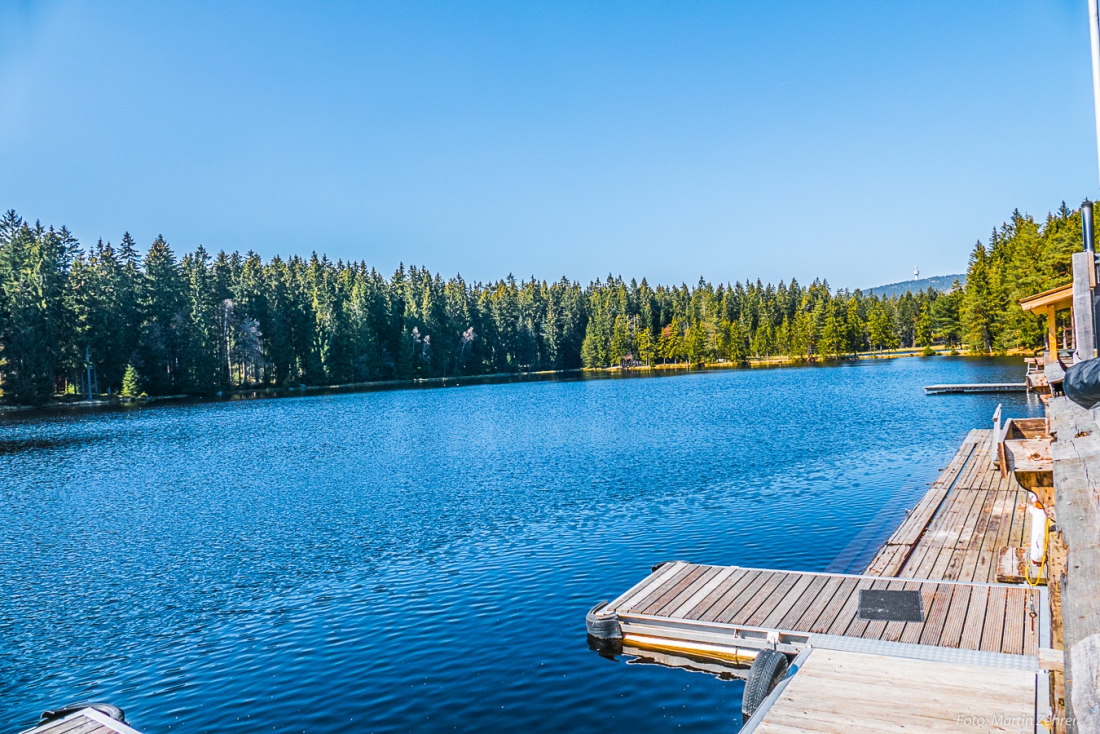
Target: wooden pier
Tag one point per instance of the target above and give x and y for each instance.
(972, 655)
(978, 387)
(686, 602)
(85, 721)
(958, 528)
(850, 692)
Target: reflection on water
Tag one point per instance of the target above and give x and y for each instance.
(424, 559)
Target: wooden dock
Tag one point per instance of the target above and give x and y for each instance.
(956, 530)
(868, 694)
(686, 603)
(974, 652)
(85, 721)
(977, 387)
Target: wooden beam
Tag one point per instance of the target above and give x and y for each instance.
(1076, 456)
(1052, 334)
(1083, 320)
(1056, 298)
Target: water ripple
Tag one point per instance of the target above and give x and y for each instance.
(423, 559)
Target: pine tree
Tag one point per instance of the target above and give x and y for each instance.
(945, 316)
(34, 270)
(923, 332)
(881, 327)
(833, 341)
(978, 305)
(131, 383)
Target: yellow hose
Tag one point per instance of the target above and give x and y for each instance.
(1043, 563)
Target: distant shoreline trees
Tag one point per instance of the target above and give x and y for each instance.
(202, 323)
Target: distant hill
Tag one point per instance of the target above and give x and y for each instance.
(942, 283)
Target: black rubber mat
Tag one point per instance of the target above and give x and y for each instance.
(890, 606)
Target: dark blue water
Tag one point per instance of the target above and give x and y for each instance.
(423, 559)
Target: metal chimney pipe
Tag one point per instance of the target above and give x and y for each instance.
(1086, 225)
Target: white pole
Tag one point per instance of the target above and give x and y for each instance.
(1094, 35)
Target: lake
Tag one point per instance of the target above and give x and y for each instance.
(423, 559)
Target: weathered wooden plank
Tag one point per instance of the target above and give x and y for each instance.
(816, 595)
(993, 631)
(753, 614)
(665, 591)
(971, 563)
(960, 537)
(744, 589)
(798, 593)
(643, 588)
(922, 558)
(888, 561)
(975, 618)
(935, 616)
(942, 535)
(1076, 455)
(951, 633)
(985, 567)
(714, 602)
(1012, 639)
(662, 584)
(1069, 420)
(1020, 520)
(75, 725)
(684, 590)
(713, 583)
(836, 692)
(828, 616)
(1084, 273)
(922, 514)
(973, 527)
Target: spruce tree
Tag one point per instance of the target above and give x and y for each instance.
(131, 383)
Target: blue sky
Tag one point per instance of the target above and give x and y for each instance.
(736, 140)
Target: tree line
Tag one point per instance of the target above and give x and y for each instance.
(1023, 257)
(161, 324)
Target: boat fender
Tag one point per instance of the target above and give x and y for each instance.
(1037, 549)
(104, 708)
(767, 670)
(602, 626)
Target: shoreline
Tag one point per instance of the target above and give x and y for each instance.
(258, 393)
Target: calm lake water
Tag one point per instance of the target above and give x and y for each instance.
(423, 559)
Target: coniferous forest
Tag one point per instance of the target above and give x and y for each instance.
(160, 323)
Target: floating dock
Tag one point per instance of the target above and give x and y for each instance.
(850, 692)
(958, 528)
(976, 388)
(965, 657)
(683, 605)
(85, 721)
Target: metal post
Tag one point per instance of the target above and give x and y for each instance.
(1086, 225)
(1094, 36)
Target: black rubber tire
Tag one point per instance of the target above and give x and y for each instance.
(104, 708)
(767, 670)
(602, 628)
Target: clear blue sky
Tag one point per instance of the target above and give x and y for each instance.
(736, 140)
